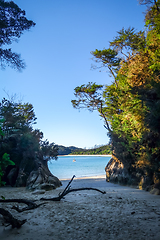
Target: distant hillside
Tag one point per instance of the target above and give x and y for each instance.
(103, 150)
(67, 150)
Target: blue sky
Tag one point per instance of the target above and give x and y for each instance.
(57, 56)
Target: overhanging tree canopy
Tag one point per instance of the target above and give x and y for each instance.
(12, 25)
(131, 104)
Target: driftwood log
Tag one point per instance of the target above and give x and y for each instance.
(30, 204)
(69, 190)
(10, 220)
(15, 223)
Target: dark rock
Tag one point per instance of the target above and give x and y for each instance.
(21, 179)
(12, 176)
(38, 192)
(42, 179)
(133, 212)
(145, 183)
(32, 178)
(157, 185)
(115, 172)
(47, 186)
(31, 171)
(155, 191)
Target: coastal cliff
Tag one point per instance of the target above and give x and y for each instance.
(117, 173)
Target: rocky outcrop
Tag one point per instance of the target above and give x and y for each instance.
(117, 173)
(42, 179)
(11, 175)
(155, 191)
(33, 175)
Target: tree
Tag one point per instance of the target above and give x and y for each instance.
(4, 160)
(24, 144)
(89, 96)
(48, 150)
(116, 103)
(131, 104)
(12, 25)
(18, 117)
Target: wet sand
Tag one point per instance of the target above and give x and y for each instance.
(121, 213)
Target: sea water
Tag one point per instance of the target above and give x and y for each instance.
(80, 166)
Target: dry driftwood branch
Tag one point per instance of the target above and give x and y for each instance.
(68, 190)
(79, 189)
(30, 204)
(61, 195)
(10, 219)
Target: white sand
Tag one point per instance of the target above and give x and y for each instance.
(83, 155)
(121, 213)
(92, 177)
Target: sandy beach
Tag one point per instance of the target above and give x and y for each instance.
(121, 213)
(83, 155)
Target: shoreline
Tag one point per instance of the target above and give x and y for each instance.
(83, 178)
(81, 155)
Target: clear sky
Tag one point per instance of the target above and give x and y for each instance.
(57, 56)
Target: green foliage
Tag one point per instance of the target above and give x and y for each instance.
(62, 150)
(103, 150)
(1, 132)
(48, 150)
(107, 57)
(12, 25)
(4, 162)
(5, 159)
(19, 140)
(18, 117)
(90, 96)
(128, 42)
(131, 104)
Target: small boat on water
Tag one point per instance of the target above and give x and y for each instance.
(74, 160)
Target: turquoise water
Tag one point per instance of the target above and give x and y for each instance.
(84, 166)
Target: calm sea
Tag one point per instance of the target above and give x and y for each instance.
(81, 166)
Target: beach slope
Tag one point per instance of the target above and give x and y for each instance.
(121, 213)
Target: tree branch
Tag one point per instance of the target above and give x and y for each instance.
(32, 205)
(10, 219)
(29, 203)
(68, 190)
